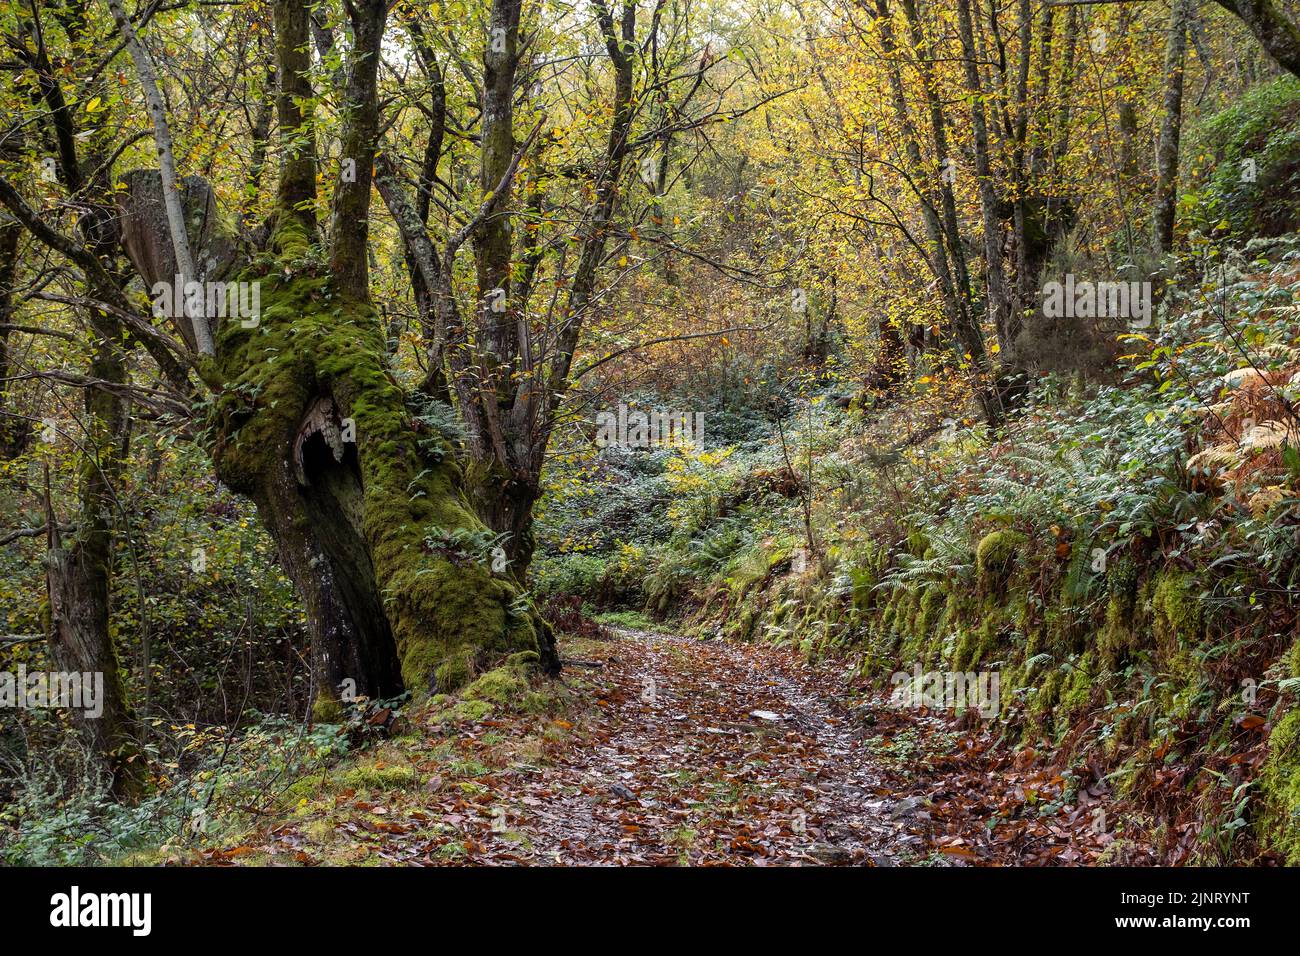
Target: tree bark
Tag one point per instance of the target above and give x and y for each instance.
(1268, 21)
(508, 388)
(13, 430)
(79, 569)
(1041, 217)
(362, 492)
(968, 338)
(376, 533)
(79, 574)
(929, 197)
(349, 226)
(1171, 126)
(176, 227)
(996, 293)
(296, 198)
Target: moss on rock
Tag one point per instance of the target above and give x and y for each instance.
(1279, 783)
(996, 554)
(1178, 619)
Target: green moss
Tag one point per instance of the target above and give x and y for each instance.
(469, 711)
(372, 777)
(450, 670)
(1116, 641)
(980, 641)
(956, 610)
(1293, 659)
(1060, 634)
(319, 831)
(1279, 785)
(965, 649)
(1177, 615)
(504, 685)
(864, 578)
(1077, 691)
(933, 601)
(450, 619)
(886, 618)
(1043, 701)
(996, 554)
(326, 709)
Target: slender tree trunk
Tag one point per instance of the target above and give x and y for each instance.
(79, 568)
(167, 167)
(505, 485)
(492, 242)
(1042, 214)
(1171, 126)
(969, 339)
(1126, 108)
(13, 430)
(79, 571)
(349, 225)
(929, 197)
(997, 296)
(296, 198)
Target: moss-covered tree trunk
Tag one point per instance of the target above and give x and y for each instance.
(364, 499)
(361, 491)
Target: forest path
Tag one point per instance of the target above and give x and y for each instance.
(649, 749)
(710, 752)
(658, 749)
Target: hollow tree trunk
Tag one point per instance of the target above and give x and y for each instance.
(309, 501)
(364, 497)
(366, 503)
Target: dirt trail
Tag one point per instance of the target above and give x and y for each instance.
(712, 752)
(662, 750)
